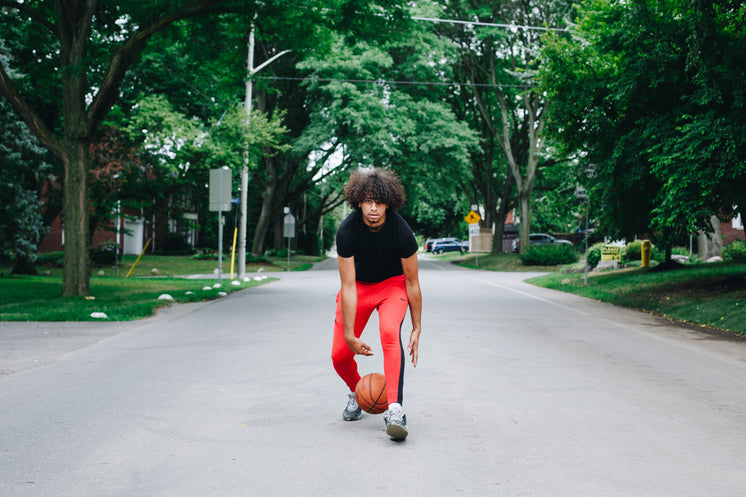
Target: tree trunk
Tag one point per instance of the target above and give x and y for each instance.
(268, 207)
(524, 197)
(76, 221)
(500, 216)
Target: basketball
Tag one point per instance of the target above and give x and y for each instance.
(370, 393)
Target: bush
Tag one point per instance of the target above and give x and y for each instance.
(634, 250)
(594, 255)
(263, 259)
(735, 251)
(175, 244)
(55, 259)
(207, 256)
(105, 254)
(549, 255)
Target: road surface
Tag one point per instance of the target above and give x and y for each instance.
(520, 391)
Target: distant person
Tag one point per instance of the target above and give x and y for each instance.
(377, 258)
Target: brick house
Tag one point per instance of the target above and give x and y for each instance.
(135, 229)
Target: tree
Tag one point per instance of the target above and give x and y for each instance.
(22, 224)
(501, 101)
(387, 124)
(651, 93)
(84, 51)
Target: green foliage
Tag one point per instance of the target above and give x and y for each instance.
(105, 254)
(647, 91)
(707, 295)
(594, 255)
(501, 103)
(388, 125)
(549, 255)
(554, 206)
(264, 259)
(22, 170)
(40, 298)
(633, 250)
(50, 259)
(735, 251)
(208, 256)
(175, 244)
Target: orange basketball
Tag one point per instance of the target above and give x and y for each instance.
(370, 393)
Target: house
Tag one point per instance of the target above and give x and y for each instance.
(135, 229)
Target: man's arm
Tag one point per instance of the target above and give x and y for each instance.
(348, 298)
(414, 295)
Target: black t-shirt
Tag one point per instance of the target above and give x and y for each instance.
(378, 254)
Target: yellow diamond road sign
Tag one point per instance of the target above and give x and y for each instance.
(472, 217)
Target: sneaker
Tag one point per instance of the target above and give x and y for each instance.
(352, 412)
(396, 422)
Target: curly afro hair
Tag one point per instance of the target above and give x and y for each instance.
(382, 185)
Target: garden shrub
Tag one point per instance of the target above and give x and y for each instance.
(175, 244)
(634, 250)
(208, 256)
(105, 254)
(735, 251)
(262, 259)
(55, 259)
(594, 255)
(549, 255)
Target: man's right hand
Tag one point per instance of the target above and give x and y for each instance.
(357, 346)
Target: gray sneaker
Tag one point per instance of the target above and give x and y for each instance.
(352, 412)
(396, 422)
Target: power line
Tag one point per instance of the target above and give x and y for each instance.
(393, 82)
(487, 24)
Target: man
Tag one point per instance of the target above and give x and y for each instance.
(377, 258)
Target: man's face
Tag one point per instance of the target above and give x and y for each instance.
(374, 212)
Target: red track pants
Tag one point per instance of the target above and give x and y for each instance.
(389, 297)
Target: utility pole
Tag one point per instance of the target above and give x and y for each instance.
(251, 70)
(245, 168)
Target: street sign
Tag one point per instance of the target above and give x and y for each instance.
(220, 189)
(474, 229)
(472, 217)
(289, 226)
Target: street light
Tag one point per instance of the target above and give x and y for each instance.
(245, 169)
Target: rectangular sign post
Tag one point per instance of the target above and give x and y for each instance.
(472, 219)
(220, 200)
(288, 229)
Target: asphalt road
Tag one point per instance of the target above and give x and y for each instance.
(520, 391)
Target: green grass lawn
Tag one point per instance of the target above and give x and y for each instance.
(497, 262)
(174, 266)
(39, 298)
(707, 295)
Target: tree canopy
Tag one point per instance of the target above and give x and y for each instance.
(653, 93)
(493, 104)
(78, 56)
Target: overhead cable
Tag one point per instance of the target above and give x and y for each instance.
(487, 24)
(392, 82)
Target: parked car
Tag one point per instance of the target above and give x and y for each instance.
(429, 243)
(453, 245)
(539, 239)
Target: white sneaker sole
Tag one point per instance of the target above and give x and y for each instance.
(397, 432)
